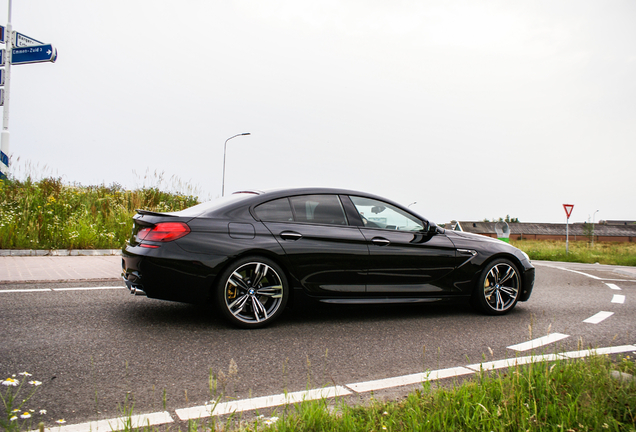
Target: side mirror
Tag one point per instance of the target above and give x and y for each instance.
(431, 228)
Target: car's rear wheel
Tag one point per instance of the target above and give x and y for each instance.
(252, 292)
(498, 288)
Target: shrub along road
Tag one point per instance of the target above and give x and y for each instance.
(96, 350)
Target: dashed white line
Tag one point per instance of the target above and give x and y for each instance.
(539, 342)
(614, 287)
(618, 299)
(597, 318)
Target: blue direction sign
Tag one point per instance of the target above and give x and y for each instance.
(2, 33)
(3, 56)
(34, 54)
(1, 77)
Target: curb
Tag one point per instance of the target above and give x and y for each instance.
(59, 252)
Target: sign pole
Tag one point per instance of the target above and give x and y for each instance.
(4, 138)
(568, 211)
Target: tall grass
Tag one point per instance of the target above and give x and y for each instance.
(579, 251)
(48, 214)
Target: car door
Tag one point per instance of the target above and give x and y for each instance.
(403, 256)
(324, 253)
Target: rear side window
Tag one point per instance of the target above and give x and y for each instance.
(275, 211)
(322, 209)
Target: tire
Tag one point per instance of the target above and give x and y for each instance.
(498, 288)
(252, 292)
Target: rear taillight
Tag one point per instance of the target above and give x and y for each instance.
(163, 232)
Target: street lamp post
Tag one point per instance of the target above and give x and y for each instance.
(224, 151)
(593, 216)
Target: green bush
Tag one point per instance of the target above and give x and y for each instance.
(48, 214)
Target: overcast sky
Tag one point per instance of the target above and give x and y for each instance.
(471, 109)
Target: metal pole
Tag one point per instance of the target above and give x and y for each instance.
(224, 152)
(567, 224)
(4, 138)
(593, 216)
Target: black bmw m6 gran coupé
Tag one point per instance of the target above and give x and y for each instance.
(251, 252)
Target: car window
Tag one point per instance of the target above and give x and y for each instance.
(277, 210)
(323, 209)
(378, 214)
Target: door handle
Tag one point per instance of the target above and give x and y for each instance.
(291, 235)
(379, 241)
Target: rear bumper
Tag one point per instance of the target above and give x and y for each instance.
(179, 280)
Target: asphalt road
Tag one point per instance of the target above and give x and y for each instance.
(94, 350)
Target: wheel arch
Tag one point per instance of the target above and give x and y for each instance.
(256, 253)
(502, 255)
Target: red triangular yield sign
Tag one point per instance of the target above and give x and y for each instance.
(568, 209)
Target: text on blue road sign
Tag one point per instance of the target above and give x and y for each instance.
(34, 54)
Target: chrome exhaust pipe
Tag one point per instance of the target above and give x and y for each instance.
(134, 290)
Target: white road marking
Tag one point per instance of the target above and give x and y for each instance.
(539, 342)
(618, 299)
(260, 402)
(25, 290)
(511, 362)
(595, 319)
(59, 289)
(614, 287)
(598, 351)
(136, 421)
(158, 418)
(584, 274)
(380, 384)
(88, 288)
(581, 273)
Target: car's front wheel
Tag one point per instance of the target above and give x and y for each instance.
(252, 292)
(498, 288)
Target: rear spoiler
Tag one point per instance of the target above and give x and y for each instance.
(151, 213)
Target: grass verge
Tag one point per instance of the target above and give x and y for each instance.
(580, 251)
(560, 396)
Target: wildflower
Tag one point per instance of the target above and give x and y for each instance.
(11, 382)
(605, 426)
(25, 415)
(271, 421)
(383, 427)
(385, 413)
(60, 421)
(35, 383)
(13, 418)
(24, 374)
(42, 411)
